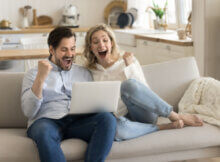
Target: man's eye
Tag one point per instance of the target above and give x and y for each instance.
(64, 50)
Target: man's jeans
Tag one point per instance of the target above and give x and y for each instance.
(144, 107)
(98, 130)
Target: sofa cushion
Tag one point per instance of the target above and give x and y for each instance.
(189, 138)
(11, 115)
(16, 146)
(166, 141)
(170, 79)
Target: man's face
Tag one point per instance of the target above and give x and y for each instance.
(63, 55)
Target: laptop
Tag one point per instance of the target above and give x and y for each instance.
(93, 97)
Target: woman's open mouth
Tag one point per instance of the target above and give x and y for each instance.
(102, 54)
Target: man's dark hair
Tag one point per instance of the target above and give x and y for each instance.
(57, 35)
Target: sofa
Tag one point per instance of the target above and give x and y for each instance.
(168, 79)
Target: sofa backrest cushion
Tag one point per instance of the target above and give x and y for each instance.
(170, 79)
(11, 115)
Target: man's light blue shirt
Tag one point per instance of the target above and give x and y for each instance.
(56, 95)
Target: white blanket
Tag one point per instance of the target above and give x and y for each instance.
(203, 99)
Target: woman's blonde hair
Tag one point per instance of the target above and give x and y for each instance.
(91, 58)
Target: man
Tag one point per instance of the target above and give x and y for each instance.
(46, 95)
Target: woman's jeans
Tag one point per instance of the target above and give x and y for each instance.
(98, 130)
(144, 107)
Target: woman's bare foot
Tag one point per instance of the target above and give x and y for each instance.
(191, 120)
(188, 119)
(174, 125)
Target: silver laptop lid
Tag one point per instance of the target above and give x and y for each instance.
(92, 97)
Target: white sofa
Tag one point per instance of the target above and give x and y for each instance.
(169, 80)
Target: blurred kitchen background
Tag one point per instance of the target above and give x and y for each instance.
(137, 31)
(91, 11)
(9, 9)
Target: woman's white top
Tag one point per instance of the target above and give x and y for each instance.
(119, 72)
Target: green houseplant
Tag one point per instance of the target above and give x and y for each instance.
(159, 13)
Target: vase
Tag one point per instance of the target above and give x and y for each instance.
(156, 24)
(160, 24)
(25, 23)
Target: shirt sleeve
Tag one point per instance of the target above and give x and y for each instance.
(29, 102)
(134, 71)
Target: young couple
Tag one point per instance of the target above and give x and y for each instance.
(46, 95)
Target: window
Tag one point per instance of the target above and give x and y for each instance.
(185, 10)
(177, 12)
(142, 17)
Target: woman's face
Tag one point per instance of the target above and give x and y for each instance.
(101, 46)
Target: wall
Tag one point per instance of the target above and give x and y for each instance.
(91, 11)
(206, 36)
(198, 30)
(212, 38)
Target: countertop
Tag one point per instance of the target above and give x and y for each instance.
(26, 54)
(40, 30)
(166, 38)
(23, 54)
(169, 36)
(152, 35)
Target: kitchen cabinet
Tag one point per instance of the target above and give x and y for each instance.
(149, 52)
(33, 41)
(126, 41)
(80, 39)
(12, 66)
(153, 46)
(127, 48)
(13, 41)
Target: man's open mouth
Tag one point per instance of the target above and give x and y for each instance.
(67, 61)
(103, 53)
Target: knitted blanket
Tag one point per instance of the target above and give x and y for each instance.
(203, 99)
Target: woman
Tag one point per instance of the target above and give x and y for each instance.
(138, 113)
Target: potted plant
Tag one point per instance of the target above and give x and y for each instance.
(160, 22)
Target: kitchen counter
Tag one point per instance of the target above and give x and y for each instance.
(36, 30)
(169, 36)
(26, 54)
(23, 54)
(165, 38)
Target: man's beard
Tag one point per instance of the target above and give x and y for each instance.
(59, 64)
